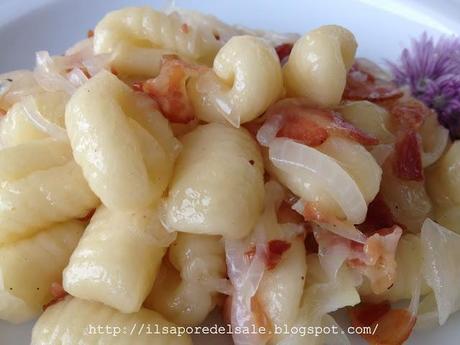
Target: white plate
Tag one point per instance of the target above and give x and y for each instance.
(382, 28)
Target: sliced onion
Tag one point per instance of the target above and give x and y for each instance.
(43, 124)
(441, 268)
(427, 317)
(415, 299)
(246, 274)
(245, 277)
(331, 257)
(343, 229)
(48, 75)
(267, 133)
(442, 138)
(299, 159)
(219, 285)
(22, 84)
(51, 71)
(290, 231)
(96, 63)
(82, 55)
(376, 71)
(77, 77)
(321, 297)
(82, 49)
(272, 38)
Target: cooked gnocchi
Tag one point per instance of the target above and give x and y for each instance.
(171, 166)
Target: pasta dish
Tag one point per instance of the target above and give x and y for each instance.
(170, 164)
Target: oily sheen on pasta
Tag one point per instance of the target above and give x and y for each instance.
(117, 259)
(137, 38)
(41, 186)
(30, 118)
(318, 64)
(71, 320)
(370, 118)
(126, 175)
(16, 128)
(185, 290)
(21, 83)
(28, 268)
(246, 78)
(217, 188)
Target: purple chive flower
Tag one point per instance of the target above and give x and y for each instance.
(432, 71)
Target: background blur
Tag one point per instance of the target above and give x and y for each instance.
(381, 26)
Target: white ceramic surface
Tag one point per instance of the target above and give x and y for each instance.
(382, 27)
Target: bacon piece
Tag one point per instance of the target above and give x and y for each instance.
(304, 130)
(407, 163)
(410, 113)
(375, 259)
(276, 249)
(283, 51)
(389, 326)
(312, 213)
(378, 216)
(274, 254)
(347, 129)
(169, 89)
(364, 82)
(313, 126)
(58, 293)
(365, 314)
(379, 263)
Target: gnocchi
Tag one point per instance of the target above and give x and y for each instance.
(318, 65)
(117, 259)
(138, 37)
(41, 185)
(28, 268)
(126, 175)
(170, 164)
(217, 188)
(185, 291)
(76, 321)
(246, 79)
